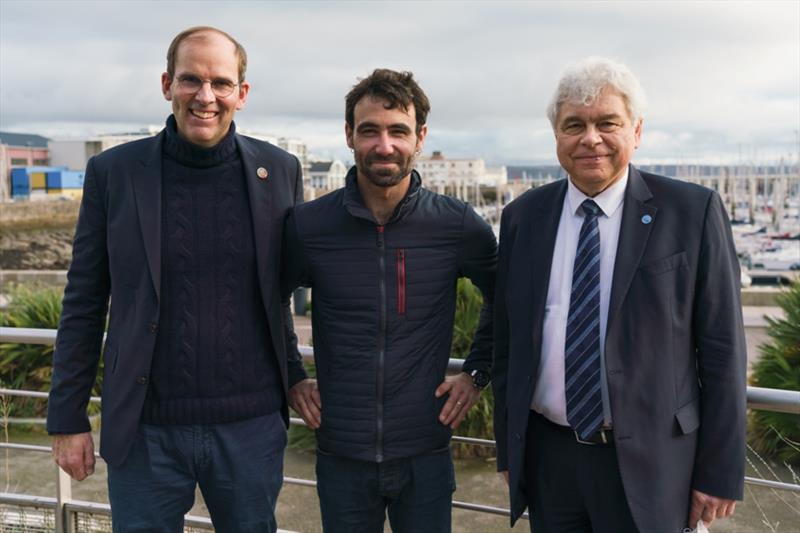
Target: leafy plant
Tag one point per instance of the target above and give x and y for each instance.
(478, 422)
(29, 366)
(777, 435)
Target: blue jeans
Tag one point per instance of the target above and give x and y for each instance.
(238, 466)
(354, 495)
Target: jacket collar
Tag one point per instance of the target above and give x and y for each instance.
(354, 202)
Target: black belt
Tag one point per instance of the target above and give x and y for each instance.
(600, 437)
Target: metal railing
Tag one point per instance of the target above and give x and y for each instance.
(66, 508)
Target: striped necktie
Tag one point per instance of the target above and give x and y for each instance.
(582, 347)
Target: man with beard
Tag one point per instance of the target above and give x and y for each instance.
(383, 255)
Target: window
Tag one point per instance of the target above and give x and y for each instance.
(19, 161)
(41, 162)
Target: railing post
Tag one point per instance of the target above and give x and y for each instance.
(63, 496)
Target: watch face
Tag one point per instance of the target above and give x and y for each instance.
(480, 379)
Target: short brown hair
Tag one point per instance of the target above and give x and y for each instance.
(172, 51)
(398, 89)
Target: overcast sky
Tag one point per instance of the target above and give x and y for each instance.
(722, 78)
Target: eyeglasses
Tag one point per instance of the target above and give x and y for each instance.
(221, 88)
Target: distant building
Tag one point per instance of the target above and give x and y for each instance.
(75, 153)
(438, 170)
(19, 150)
(327, 175)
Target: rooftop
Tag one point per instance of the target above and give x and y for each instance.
(23, 139)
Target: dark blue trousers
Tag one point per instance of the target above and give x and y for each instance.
(238, 466)
(354, 495)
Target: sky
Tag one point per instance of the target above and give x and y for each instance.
(722, 78)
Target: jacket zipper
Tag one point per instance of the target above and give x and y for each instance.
(381, 344)
(401, 282)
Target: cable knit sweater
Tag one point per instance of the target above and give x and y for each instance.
(214, 361)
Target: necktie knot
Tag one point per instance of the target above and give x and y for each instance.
(590, 209)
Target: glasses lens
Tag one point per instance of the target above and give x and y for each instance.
(222, 88)
(190, 83)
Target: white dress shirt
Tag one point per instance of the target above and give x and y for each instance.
(549, 397)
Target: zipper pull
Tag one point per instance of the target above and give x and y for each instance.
(380, 236)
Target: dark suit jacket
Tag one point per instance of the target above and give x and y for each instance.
(117, 252)
(674, 349)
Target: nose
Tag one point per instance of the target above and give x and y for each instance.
(205, 95)
(591, 136)
(384, 145)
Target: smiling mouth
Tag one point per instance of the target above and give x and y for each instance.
(205, 115)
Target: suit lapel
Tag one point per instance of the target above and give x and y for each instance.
(542, 237)
(259, 193)
(146, 178)
(633, 235)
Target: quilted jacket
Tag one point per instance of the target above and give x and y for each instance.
(382, 313)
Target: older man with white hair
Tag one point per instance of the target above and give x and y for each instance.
(619, 372)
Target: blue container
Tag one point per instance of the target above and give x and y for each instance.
(20, 178)
(64, 179)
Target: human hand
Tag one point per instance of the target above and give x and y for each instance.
(74, 454)
(304, 398)
(462, 396)
(707, 507)
(505, 475)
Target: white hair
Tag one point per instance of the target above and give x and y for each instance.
(582, 82)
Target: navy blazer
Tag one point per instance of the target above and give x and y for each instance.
(117, 253)
(675, 350)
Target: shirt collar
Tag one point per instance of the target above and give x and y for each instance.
(609, 200)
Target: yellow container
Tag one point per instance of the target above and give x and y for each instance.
(75, 194)
(38, 180)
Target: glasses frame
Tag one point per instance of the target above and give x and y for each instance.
(181, 80)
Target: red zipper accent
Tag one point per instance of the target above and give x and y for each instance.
(401, 282)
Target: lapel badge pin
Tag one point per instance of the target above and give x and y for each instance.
(646, 219)
(262, 173)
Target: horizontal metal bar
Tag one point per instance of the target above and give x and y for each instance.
(25, 447)
(776, 400)
(104, 509)
(486, 509)
(36, 394)
(473, 440)
(27, 500)
(772, 484)
(300, 481)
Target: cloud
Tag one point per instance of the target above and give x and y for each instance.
(727, 74)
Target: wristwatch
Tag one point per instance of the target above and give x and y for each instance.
(480, 378)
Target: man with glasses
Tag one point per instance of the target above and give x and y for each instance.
(182, 231)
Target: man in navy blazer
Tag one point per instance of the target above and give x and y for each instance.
(619, 371)
(183, 232)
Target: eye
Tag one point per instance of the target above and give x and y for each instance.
(572, 128)
(187, 81)
(222, 85)
(607, 126)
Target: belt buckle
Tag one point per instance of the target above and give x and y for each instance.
(601, 432)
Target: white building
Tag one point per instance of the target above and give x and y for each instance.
(327, 175)
(438, 170)
(75, 153)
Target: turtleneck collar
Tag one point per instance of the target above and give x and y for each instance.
(192, 155)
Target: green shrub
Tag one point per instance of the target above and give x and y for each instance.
(30, 366)
(777, 435)
(478, 422)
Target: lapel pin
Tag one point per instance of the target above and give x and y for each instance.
(646, 219)
(262, 173)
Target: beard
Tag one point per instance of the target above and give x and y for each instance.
(384, 176)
